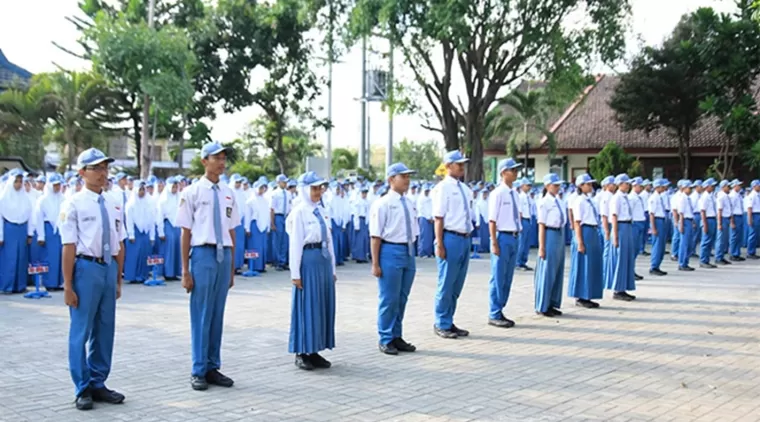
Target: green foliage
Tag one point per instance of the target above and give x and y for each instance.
(344, 159)
(297, 145)
(613, 160)
(526, 117)
(250, 170)
(421, 156)
(23, 114)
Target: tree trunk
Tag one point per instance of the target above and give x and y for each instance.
(145, 158)
(474, 140)
(70, 145)
(138, 137)
(686, 153)
(181, 152)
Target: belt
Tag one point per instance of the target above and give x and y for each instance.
(211, 245)
(92, 259)
(659, 218)
(639, 221)
(312, 246)
(710, 218)
(278, 213)
(395, 243)
(552, 228)
(589, 225)
(457, 233)
(624, 222)
(509, 233)
(688, 218)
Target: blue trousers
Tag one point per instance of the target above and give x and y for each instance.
(645, 234)
(658, 243)
(279, 242)
(425, 241)
(337, 238)
(675, 243)
(737, 234)
(14, 258)
(721, 239)
(752, 236)
(708, 241)
(485, 236)
(92, 324)
(683, 250)
(360, 245)
(696, 234)
(524, 247)
(452, 272)
(639, 236)
(550, 271)
(394, 285)
(136, 257)
(211, 281)
(502, 272)
(622, 259)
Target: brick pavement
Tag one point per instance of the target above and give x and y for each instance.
(686, 350)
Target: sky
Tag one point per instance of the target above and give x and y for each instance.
(28, 28)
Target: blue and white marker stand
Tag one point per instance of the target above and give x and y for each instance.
(37, 269)
(250, 255)
(475, 244)
(155, 261)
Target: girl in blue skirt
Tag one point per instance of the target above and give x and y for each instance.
(622, 244)
(15, 234)
(141, 234)
(257, 223)
(585, 282)
(551, 249)
(46, 216)
(168, 230)
(360, 242)
(312, 269)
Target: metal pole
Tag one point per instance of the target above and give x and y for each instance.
(389, 96)
(145, 160)
(363, 143)
(330, 53)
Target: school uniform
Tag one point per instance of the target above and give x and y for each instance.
(639, 225)
(675, 242)
(503, 211)
(392, 220)
(92, 223)
(338, 216)
(622, 255)
(257, 223)
(47, 213)
(169, 231)
(586, 281)
(240, 200)
(723, 233)
(752, 207)
(527, 222)
(360, 242)
(707, 204)
(644, 195)
(696, 234)
(737, 232)
(425, 222)
(312, 259)
(608, 258)
(210, 212)
(451, 203)
(16, 231)
(686, 212)
(279, 202)
(140, 228)
(551, 268)
(481, 214)
(658, 208)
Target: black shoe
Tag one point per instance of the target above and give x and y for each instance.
(318, 361)
(708, 265)
(214, 377)
(555, 311)
(460, 332)
(548, 314)
(645, 253)
(657, 271)
(198, 383)
(694, 256)
(740, 259)
(753, 257)
(583, 303)
(724, 262)
(674, 258)
(84, 401)
(501, 322)
(104, 395)
(444, 333)
(686, 268)
(403, 346)
(388, 349)
(622, 296)
(637, 277)
(303, 362)
(525, 268)
(630, 295)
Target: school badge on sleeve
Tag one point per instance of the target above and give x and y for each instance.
(229, 212)
(63, 216)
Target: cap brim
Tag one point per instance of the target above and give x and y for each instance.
(459, 161)
(222, 149)
(318, 182)
(100, 160)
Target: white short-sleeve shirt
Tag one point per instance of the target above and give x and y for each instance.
(387, 219)
(304, 228)
(621, 206)
(501, 209)
(81, 223)
(657, 205)
(196, 212)
(723, 204)
(604, 203)
(707, 203)
(551, 212)
(638, 206)
(584, 210)
(450, 204)
(736, 203)
(685, 207)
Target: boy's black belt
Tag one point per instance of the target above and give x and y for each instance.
(312, 246)
(93, 259)
(457, 233)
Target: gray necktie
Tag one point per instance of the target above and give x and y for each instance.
(515, 213)
(409, 240)
(218, 226)
(106, 237)
(468, 217)
(323, 231)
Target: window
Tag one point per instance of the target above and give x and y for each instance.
(528, 171)
(556, 166)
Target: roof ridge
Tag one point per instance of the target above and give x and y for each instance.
(563, 118)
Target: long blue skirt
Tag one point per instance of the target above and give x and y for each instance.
(14, 258)
(337, 240)
(312, 312)
(136, 257)
(360, 247)
(348, 238)
(622, 256)
(608, 261)
(485, 236)
(169, 248)
(533, 230)
(257, 241)
(586, 268)
(270, 254)
(51, 254)
(427, 236)
(550, 271)
(239, 245)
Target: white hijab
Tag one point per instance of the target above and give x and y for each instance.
(140, 211)
(49, 205)
(240, 196)
(168, 204)
(15, 204)
(260, 207)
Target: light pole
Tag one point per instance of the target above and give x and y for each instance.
(391, 106)
(330, 58)
(363, 144)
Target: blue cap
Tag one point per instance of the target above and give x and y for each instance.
(736, 182)
(508, 164)
(660, 183)
(272, 184)
(608, 180)
(383, 190)
(281, 178)
(120, 175)
(723, 184)
(696, 183)
(526, 182)
(311, 178)
(455, 156)
(213, 148)
(754, 183)
(396, 169)
(41, 179)
(684, 183)
(583, 179)
(637, 181)
(553, 179)
(292, 183)
(364, 188)
(54, 179)
(622, 178)
(130, 179)
(646, 182)
(91, 157)
(709, 182)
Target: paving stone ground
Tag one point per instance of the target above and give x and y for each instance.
(687, 349)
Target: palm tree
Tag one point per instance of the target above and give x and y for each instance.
(83, 107)
(23, 115)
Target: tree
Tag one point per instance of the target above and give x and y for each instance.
(421, 156)
(531, 115)
(664, 89)
(493, 43)
(613, 160)
(297, 145)
(344, 159)
(23, 114)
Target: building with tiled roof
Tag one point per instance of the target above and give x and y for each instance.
(11, 74)
(589, 124)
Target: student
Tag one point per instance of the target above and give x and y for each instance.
(737, 228)
(675, 200)
(585, 282)
(425, 212)
(47, 213)
(551, 249)
(16, 233)
(725, 220)
(279, 204)
(639, 221)
(527, 222)
(360, 245)
(504, 227)
(312, 271)
(393, 231)
(168, 231)
(708, 210)
(622, 244)
(93, 256)
(453, 225)
(752, 205)
(686, 225)
(257, 225)
(208, 215)
(141, 220)
(481, 213)
(338, 213)
(236, 184)
(608, 259)
(658, 220)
